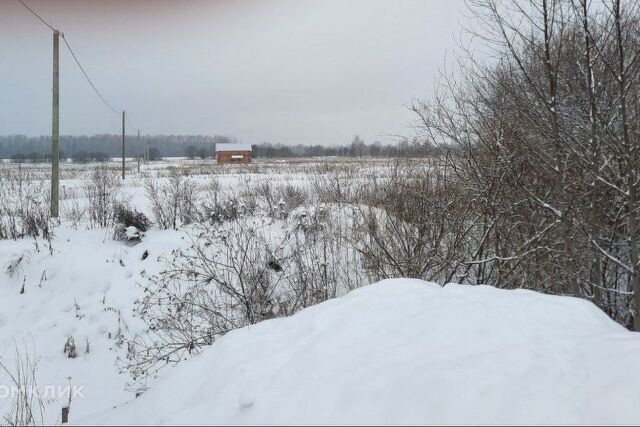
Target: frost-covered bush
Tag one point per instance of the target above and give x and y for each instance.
(291, 197)
(218, 212)
(24, 204)
(220, 209)
(130, 224)
(309, 219)
(73, 211)
(225, 280)
(236, 273)
(102, 192)
(411, 224)
(174, 199)
(36, 221)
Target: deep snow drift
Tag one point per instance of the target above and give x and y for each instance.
(405, 351)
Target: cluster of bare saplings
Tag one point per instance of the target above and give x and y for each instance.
(547, 141)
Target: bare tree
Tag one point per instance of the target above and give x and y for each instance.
(544, 138)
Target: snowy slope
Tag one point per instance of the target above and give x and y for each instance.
(405, 351)
(84, 288)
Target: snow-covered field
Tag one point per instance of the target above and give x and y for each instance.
(401, 351)
(83, 283)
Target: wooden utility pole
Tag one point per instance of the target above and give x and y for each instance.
(123, 113)
(55, 128)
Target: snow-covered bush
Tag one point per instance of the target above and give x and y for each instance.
(174, 200)
(102, 192)
(413, 223)
(225, 280)
(16, 264)
(545, 144)
(24, 204)
(217, 212)
(70, 348)
(130, 224)
(73, 211)
(236, 273)
(291, 197)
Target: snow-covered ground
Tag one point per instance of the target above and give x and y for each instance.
(83, 284)
(400, 351)
(408, 352)
(85, 289)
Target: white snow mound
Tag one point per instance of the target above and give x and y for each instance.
(409, 352)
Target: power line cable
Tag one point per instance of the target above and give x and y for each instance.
(74, 57)
(133, 126)
(37, 16)
(77, 61)
(87, 77)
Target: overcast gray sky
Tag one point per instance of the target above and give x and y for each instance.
(288, 71)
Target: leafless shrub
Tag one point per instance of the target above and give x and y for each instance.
(102, 192)
(416, 225)
(264, 197)
(544, 139)
(222, 282)
(174, 200)
(24, 206)
(73, 211)
(218, 212)
(27, 406)
(291, 198)
(212, 190)
(70, 348)
(15, 266)
(236, 273)
(130, 224)
(36, 223)
(337, 185)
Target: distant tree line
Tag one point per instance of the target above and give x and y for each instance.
(102, 147)
(357, 148)
(99, 148)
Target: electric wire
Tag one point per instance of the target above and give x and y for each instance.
(37, 16)
(87, 77)
(75, 58)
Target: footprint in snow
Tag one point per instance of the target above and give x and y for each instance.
(246, 401)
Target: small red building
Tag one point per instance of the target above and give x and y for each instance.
(233, 153)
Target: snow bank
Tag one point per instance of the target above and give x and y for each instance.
(408, 352)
